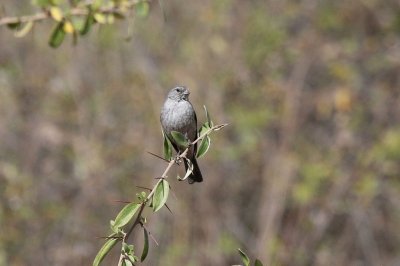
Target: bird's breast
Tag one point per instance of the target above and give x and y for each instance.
(178, 116)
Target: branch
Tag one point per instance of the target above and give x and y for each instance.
(77, 11)
(164, 176)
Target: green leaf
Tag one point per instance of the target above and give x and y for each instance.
(205, 142)
(180, 139)
(210, 123)
(141, 196)
(146, 245)
(104, 250)
(204, 146)
(88, 23)
(125, 215)
(14, 25)
(128, 249)
(160, 195)
(245, 258)
(126, 262)
(167, 148)
(24, 30)
(57, 36)
(258, 263)
(204, 128)
(112, 225)
(142, 9)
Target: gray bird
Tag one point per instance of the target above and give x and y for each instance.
(178, 114)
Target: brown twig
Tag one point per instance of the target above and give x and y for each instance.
(123, 201)
(77, 11)
(150, 234)
(149, 189)
(158, 156)
(160, 179)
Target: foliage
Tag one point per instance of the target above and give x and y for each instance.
(310, 161)
(156, 199)
(76, 18)
(246, 259)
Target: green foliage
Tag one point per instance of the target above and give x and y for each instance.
(180, 139)
(125, 215)
(128, 253)
(167, 148)
(204, 145)
(258, 263)
(104, 250)
(246, 259)
(156, 199)
(161, 195)
(145, 245)
(209, 123)
(206, 141)
(69, 18)
(57, 37)
(75, 123)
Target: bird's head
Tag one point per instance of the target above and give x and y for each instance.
(179, 93)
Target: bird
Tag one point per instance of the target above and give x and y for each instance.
(178, 114)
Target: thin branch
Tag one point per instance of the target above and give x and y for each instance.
(160, 179)
(77, 11)
(143, 188)
(122, 201)
(109, 237)
(150, 234)
(168, 208)
(172, 193)
(158, 156)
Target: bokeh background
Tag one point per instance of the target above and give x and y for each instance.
(306, 173)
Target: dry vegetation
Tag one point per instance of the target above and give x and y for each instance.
(307, 173)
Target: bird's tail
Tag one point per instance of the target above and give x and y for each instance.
(195, 176)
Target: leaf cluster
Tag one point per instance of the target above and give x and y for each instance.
(246, 260)
(76, 18)
(132, 213)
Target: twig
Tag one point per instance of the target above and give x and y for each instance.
(123, 201)
(168, 208)
(109, 237)
(143, 188)
(77, 11)
(160, 179)
(150, 234)
(158, 156)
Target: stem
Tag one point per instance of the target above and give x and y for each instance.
(163, 176)
(78, 11)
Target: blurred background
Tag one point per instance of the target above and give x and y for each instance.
(306, 173)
